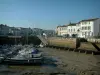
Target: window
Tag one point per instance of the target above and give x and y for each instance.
(88, 33)
(85, 28)
(74, 29)
(85, 33)
(89, 28)
(69, 30)
(82, 28)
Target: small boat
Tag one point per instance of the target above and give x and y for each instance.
(35, 56)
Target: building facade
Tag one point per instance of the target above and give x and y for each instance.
(84, 28)
(61, 30)
(71, 30)
(14, 31)
(4, 29)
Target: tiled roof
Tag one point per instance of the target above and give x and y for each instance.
(89, 19)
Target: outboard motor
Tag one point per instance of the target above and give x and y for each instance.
(35, 51)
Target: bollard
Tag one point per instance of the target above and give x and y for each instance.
(92, 53)
(85, 52)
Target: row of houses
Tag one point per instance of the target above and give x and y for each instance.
(84, 29)
(21, 31)
(16, 31)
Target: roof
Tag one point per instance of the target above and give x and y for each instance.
(72, 24)
(62, 26)
(93, 19)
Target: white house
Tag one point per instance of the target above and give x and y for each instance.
(71, 28)
(89, 28)
(61, 30)
(68, 30)
(84, 28)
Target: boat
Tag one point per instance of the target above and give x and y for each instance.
(32, 57)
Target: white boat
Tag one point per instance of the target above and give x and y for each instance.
(31, 56)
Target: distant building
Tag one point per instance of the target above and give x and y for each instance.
(37, 31)
(15, 31)
(49, 33)
(84, 28)
(25, 31)
(4, 29)
(61, 30)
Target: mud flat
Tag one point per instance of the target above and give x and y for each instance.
(48, 67)
(79, 63)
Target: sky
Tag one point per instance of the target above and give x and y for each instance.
(46, 14)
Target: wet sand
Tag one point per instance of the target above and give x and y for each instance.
(80, 63)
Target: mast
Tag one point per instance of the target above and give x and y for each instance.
(27, 36)
(15, 37)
